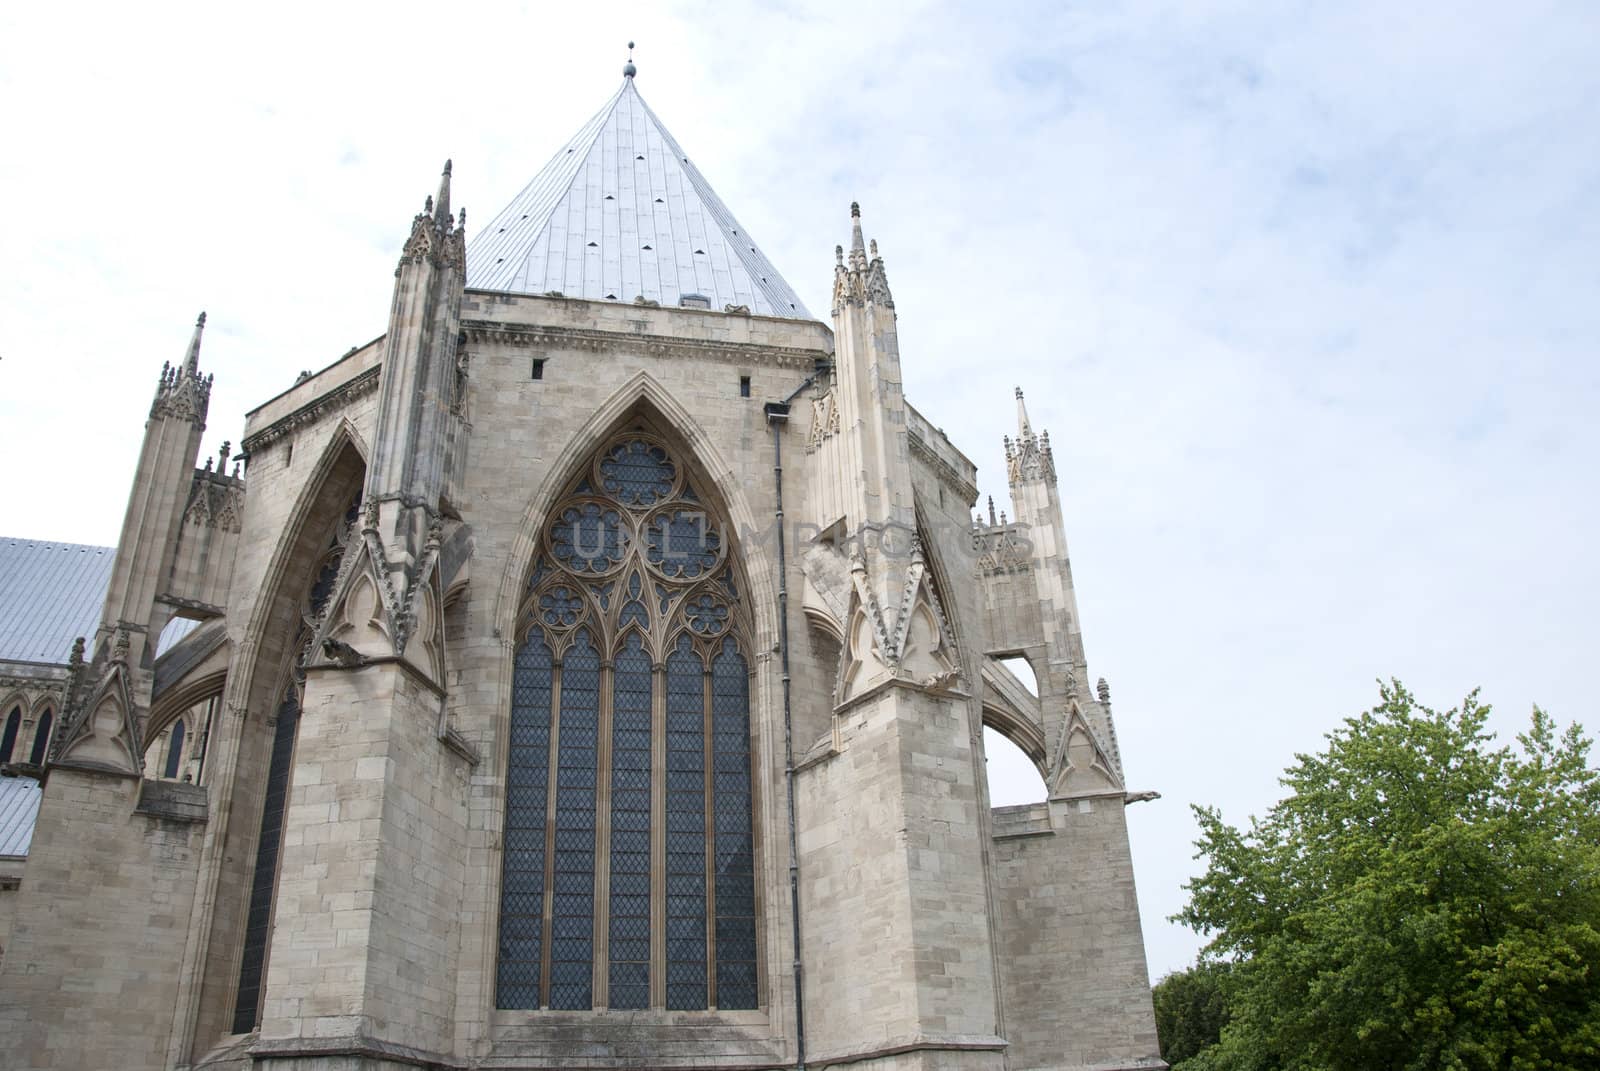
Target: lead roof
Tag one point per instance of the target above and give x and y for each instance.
(50, 594)
(621, 213)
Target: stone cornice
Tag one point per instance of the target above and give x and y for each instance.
(943, 468)
(314, 410)
(515, 334)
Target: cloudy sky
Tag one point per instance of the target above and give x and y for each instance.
(1308, 294)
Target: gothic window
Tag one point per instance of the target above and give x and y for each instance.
(8, 742)
(41, 738)
(174, 751)
(628, 869)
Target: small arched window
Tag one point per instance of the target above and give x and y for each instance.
(8, 742)
(628, 873)
(174, 750)
(41, 738)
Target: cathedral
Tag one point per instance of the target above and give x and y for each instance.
(590, 672)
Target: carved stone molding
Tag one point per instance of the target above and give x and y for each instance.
(514, 334)
(338, 398)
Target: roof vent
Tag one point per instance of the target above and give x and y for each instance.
(611, 297)
(610, 198)
(700, 252)
(594, 245)
(694, 301)
(659, 201)
(647, 247)
(638, 157)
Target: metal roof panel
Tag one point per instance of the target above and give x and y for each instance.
(50, 594)
(620, 212)
(19, 810)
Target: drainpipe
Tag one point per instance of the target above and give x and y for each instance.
(777, 416)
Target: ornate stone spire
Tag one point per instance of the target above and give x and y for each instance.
(1028, 457)
(191, 362)
(182, 391)
(860, 278)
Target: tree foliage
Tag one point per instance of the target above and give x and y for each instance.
(1420, 899)
(1191, 1008)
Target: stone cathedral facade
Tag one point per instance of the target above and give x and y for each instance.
(590, 672)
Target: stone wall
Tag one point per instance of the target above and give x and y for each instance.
(101, 918)
(1077, 991)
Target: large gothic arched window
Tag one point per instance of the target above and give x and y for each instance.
(629, 877)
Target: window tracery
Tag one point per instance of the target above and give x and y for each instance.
(628, 869)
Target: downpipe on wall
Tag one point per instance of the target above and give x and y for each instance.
(777, 414)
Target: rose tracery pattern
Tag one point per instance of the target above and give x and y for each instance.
(588, 538)
(637, 473)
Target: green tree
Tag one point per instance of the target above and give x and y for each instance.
(1421, 899)
(1191, 1008)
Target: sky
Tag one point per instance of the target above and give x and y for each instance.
(1307, 294)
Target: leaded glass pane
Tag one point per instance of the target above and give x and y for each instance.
(686, 841)
(523, 865)
(588, 538)
(264, 878)
(682, 544)
(572, 941)
(637, 473)
(630, 828)
(733, 857)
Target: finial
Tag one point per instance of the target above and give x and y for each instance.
(191, 361)
(858, 247)
(838, 255)
(991, 511)
(1024, 426)
(209, 463)
(442, 216)
(222, 458)
(628, 69)
(1103, 690)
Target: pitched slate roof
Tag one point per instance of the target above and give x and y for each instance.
(19, 809)
(621, 213)
(50, 594)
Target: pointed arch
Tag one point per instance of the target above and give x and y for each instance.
(644, 396)
(8, 736)
(632, 605)
(264, 684)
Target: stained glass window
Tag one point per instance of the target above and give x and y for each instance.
(673, 921)
(572, 907)
(637, 473)
(258, 918)
(527, 790)
(8, 742)
(630, 829)
(686, 829)
(734, 845)
(41, 738)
